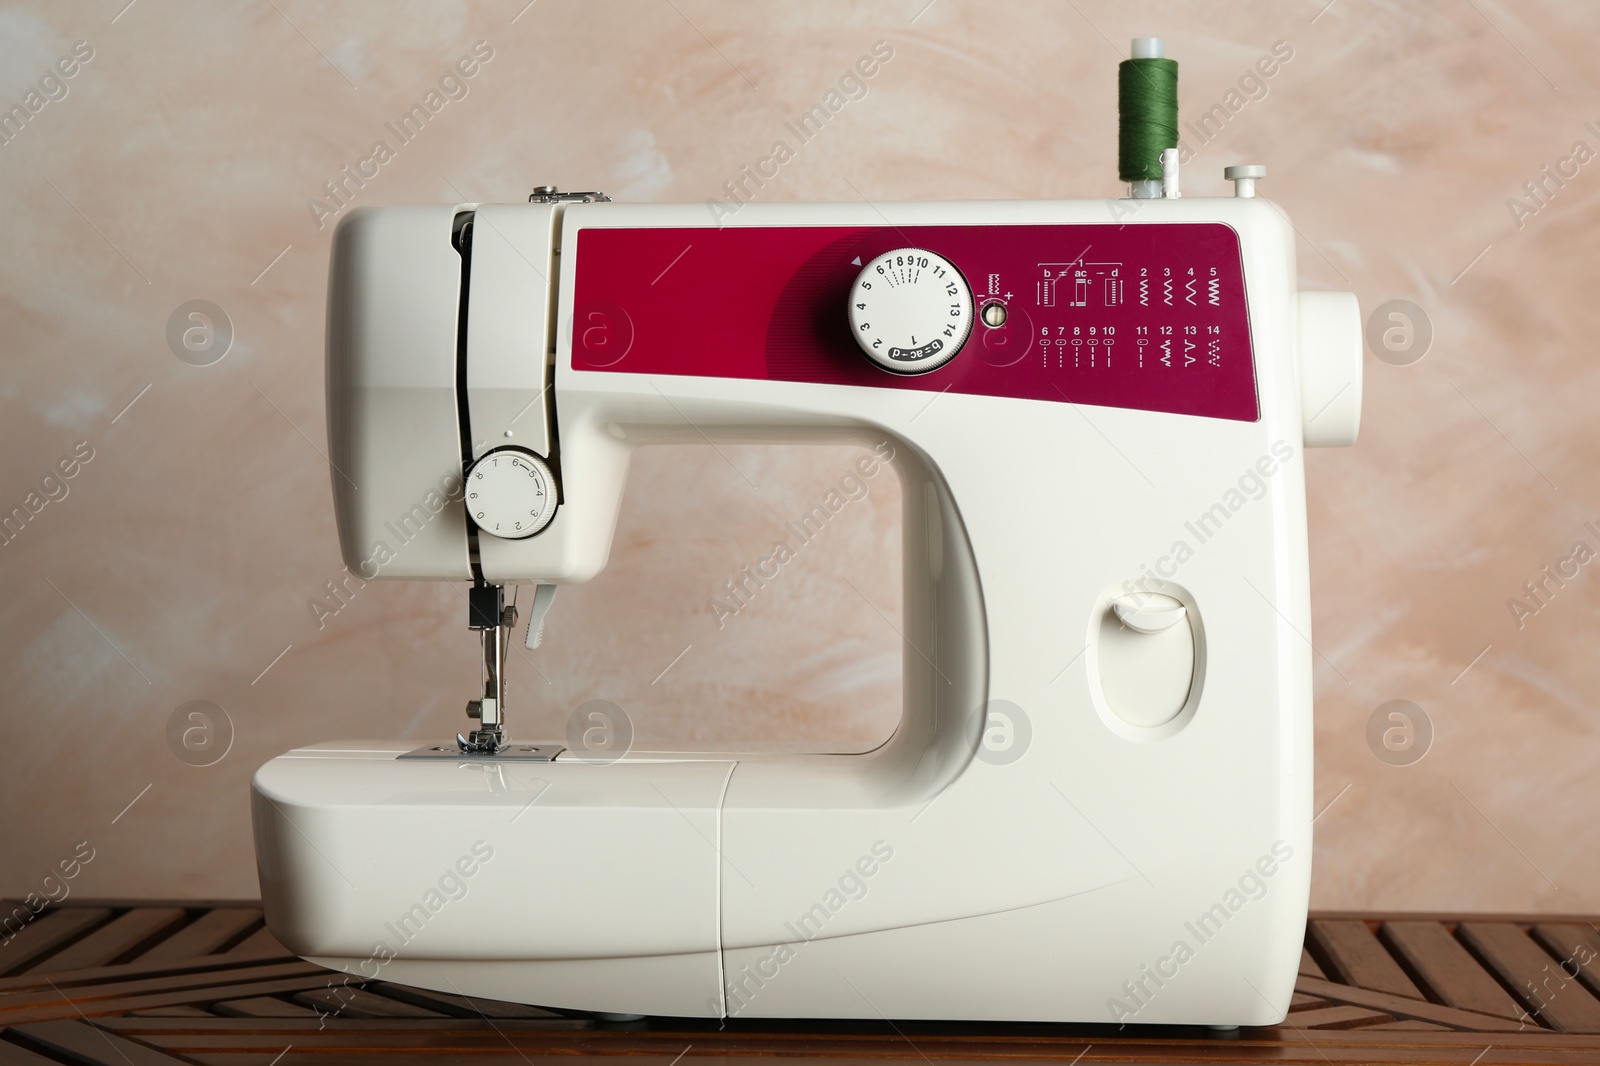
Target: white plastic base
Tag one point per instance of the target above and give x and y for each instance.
(637, 888)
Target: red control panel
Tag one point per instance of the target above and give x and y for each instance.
(1151, 317)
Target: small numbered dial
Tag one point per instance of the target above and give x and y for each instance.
(510, 493)
(910, 310)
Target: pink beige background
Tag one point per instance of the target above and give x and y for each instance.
(180, 563)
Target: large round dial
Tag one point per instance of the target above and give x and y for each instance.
(910, 310)
(510, 493)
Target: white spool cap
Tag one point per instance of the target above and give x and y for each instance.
(1244, 178)
(1148, 48)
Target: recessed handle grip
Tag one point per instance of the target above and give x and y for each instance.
(1149, 612)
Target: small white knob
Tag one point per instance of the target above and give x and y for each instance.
(1244, 177)
(510, 493)
(910, 310)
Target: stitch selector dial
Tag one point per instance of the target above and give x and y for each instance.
(510, 493)
(910, 310)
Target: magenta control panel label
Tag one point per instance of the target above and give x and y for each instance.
(1150, 317)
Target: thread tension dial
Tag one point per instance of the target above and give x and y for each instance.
(510, 493)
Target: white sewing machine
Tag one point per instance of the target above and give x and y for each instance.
(1096, 410)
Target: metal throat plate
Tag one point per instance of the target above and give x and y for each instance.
(509, 753)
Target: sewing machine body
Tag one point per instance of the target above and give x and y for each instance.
(1138, 851)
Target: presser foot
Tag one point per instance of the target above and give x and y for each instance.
(463, 749)
(482, 742)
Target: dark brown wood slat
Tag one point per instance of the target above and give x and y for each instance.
(15, 915)
(87, 985)
(179, 1011)
(1534, 976)
(43, 990)
(48, 932)
(1099, 1054)
(294, 1055)
(1450, 917)
(468, 1041)
(263, 1007)
(113, 940)
(1448, 969)
(1575, 946)
(1406, 1007)
(1358, 958)
(395, 1041)
(1337, 1016)
(1300, 1001)
(85, 1043)
(349, 1001)
(459, 1006)
(13, 1055)
(259, 944)
(1411, 1024)
(207, 994)
(1308, 965)
(205, 934)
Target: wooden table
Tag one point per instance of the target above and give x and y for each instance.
(138, 984)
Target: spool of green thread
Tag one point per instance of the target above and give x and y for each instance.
(1147, 112)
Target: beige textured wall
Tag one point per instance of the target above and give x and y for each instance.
(180, 563)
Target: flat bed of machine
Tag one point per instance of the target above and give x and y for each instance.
(139, 983)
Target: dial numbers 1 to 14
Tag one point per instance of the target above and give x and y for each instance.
(910, 310)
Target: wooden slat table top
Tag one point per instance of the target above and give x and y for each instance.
(514, 1041)
(1578, 946)
(118, 939)
(120, 982)
(80, 1042)
(1349, 951)
(1447, 970)
(1534, 975)
(262, 1007)
(45, 934)
(212, 931)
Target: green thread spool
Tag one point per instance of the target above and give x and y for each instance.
(1147, 116)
